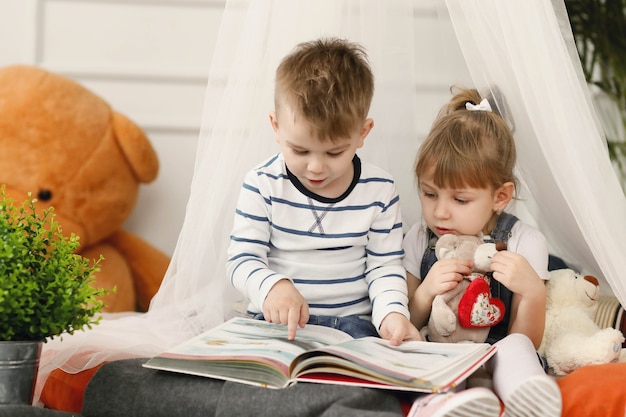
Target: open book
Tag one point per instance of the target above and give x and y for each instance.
(256, 352)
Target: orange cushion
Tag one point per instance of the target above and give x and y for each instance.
(595, 391)
(65, 392)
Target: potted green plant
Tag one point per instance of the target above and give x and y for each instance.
(46, 290)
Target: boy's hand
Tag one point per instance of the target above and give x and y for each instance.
(396, 328)
(285, 305)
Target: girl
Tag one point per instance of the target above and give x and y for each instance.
(465, 178)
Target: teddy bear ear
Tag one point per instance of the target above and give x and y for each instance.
(500, 245)
(446, 245)
(136, 147)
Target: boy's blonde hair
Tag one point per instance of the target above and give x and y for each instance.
(329, 83)
(468, 148)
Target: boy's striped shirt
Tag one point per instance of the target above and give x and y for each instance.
(343, 255)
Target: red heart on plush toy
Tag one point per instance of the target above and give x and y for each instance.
(477, 309)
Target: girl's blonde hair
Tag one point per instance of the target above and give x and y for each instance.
(468, 148)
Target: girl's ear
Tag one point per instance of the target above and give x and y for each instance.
(503, 196)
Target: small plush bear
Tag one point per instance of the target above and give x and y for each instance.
(571, 337)
(467, 312)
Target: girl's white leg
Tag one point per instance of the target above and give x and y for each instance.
(520, 381)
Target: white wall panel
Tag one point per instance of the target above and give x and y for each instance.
(150, 58)
(160, 210)
(138, 37)
(155, 105)
(441, 62)
(17, 31)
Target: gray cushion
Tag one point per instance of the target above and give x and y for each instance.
(126, 389)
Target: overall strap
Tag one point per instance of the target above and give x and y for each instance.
(502, 231)
(429, 258)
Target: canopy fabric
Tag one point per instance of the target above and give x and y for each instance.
(527, 51)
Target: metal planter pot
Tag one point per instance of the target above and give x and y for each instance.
(19, 363)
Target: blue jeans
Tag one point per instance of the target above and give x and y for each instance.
(355, 326)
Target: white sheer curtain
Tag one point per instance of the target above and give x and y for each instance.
(514, 45)
(526, 49)
(236, 135)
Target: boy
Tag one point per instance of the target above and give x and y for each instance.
(317, 236)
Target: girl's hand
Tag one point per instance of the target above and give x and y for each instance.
(528, 308)
(514, 272)
(444, 276)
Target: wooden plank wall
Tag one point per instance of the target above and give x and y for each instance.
(149, 59)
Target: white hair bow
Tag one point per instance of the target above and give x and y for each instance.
(483, 105)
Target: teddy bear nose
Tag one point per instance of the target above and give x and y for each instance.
(44, 195)
(592, 280)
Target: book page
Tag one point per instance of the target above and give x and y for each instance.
(414, 364)
(246, 350)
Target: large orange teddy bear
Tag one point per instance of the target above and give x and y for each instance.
(71, 150)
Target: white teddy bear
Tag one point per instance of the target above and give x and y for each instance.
(571, 337)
